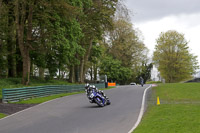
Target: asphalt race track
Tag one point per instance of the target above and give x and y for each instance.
(74, 114)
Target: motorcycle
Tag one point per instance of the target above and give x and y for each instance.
(96, 96)
(142, 83)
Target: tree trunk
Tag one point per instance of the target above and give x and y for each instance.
(71, 74)
(26, 68)
(41, 73)
(81, 71)
(59, 73)
(0, 5)
(95, 72)
(84, 61)
(12, 72)
(11, 43)
(20, 16)
(91, 73)
(19, 62)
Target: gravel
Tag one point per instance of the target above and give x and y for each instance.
(10, 108)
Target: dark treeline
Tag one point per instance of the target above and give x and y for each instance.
(72, 39)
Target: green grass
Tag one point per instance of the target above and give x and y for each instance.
(16, 83)
(171, 118)
(2, 115)
(178, 112)
(44, 99)
(179, 92)
(153, 82)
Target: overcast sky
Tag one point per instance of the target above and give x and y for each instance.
(155, 16)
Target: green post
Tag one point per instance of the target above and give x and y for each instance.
(3, 93)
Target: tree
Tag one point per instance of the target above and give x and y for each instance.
(114, 70)
(173, 58)
(94, 21)
(145, 72)
(47, 28)
(94, 60)
(123, 44)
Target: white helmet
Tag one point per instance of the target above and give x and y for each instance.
(87, 85)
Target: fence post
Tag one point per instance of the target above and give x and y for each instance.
(106, 82)
(3, 97)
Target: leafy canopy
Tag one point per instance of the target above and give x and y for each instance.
(173, 58)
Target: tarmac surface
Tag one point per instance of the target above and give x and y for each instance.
(74, 114)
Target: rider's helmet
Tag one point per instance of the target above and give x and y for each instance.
(87, 85)
(94, 87)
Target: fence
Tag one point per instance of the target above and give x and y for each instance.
(17, 94)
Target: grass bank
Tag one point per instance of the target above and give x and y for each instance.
(2, 115)
(44, 99)
(178, 112)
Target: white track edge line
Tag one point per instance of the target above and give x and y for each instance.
(141, 111)
(30, 108)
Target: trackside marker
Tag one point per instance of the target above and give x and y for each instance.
(158, 101)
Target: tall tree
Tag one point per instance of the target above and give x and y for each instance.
(124, 43)
(3, 36)
(24, 18)
(93, 23)
(173, 58)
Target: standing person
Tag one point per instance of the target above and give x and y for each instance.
(141, 81)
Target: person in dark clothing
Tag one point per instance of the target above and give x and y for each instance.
(141, 81)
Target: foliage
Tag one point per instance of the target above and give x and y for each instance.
(124, 45)
(173, 58)
(145, 72)
(64, 39)
(114, 71)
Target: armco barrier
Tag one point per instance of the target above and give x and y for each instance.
(17, 94)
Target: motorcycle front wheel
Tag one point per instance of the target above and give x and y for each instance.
(108, 102)
(99, 101)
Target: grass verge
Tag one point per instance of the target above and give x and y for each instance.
(39, 100)
(178, 112)
(2, 115)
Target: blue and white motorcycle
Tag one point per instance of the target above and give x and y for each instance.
(96, 96)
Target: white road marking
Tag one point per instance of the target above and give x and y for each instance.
(141, 111)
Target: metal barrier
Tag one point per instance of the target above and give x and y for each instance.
(17, 94)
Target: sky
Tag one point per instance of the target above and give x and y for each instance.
(152, 17)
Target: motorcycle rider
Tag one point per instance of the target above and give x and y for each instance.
(89, 88)
(141, 81)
